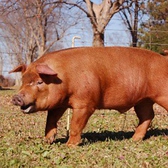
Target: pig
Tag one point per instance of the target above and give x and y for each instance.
(89, 78)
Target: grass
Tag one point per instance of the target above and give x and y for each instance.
(106, 139)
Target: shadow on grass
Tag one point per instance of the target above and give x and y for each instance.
(92, 137)
(5, 88)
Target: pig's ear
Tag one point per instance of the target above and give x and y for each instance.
(45, 70)
(20, 68)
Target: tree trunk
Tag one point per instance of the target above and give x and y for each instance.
(1, 65)
(135, 29)
(134, 39)
(100, 15)
(28, 59)
(98, 39)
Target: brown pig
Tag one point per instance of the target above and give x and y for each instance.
(90, 78)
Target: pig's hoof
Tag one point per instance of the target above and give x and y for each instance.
(50, 136)
(72, 145)
(49, 140)
(137, 138)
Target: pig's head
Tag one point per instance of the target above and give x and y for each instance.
(34, 93)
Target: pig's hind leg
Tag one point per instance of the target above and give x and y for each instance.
(145, 114)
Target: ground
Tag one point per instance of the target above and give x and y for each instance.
(106, 140)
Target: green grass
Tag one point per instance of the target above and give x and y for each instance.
(106, 139)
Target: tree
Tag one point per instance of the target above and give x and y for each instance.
(132, 17)
(28, 29)
(1, 64)
(154, 33)
(31, 28)
(99, 15)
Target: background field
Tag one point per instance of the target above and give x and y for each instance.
(106, 143)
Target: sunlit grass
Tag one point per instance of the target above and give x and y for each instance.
(106, 141)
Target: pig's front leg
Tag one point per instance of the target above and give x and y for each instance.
(51, 124)
(78, 122)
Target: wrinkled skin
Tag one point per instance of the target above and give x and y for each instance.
(86, 79)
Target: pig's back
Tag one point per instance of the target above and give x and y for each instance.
(106, 74)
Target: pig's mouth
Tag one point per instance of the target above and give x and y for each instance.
(27, 108)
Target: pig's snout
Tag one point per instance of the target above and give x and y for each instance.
(17, 100)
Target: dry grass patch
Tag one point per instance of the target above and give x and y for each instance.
(106, 141)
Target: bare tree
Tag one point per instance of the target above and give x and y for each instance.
(132, 16)
(99, 15)
(32, 27)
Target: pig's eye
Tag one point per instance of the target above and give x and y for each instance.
(39, 82)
